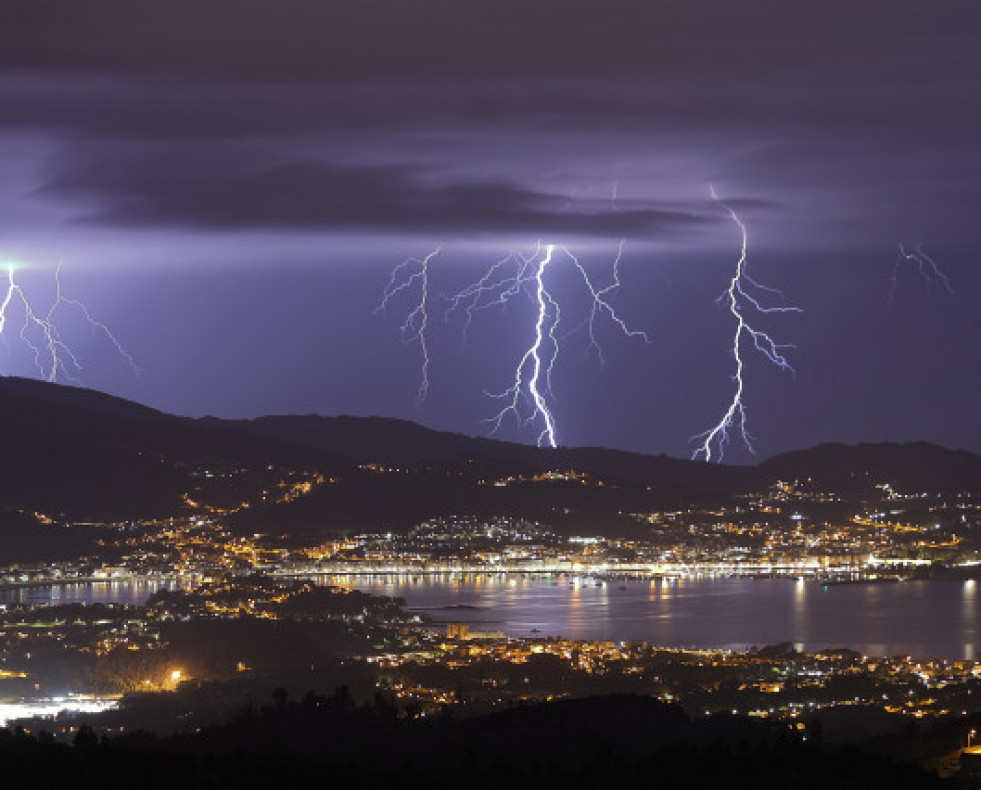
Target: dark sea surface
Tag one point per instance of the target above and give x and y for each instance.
(924, 619)
(129, 592)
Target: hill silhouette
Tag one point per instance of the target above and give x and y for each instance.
(87, 455)
(400, 442)
(856, 469)
(616, 741)
(83, 455)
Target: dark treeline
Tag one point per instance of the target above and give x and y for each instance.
(330, 741)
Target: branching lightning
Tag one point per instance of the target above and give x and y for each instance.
(496, 288)
(404, 277)
(922, 264)
(739, 297)
(53, 357)
(547, 319)
(532, 381)
(600, 305)
(517, 275)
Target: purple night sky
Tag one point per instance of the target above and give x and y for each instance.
(230, 182)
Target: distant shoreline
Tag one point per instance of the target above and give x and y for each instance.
(134, 579)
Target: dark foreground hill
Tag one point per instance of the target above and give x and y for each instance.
(617, 741)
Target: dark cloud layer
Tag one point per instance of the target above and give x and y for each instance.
(776, 95)
(230, 192)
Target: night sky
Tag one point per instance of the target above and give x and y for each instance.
(230, 182)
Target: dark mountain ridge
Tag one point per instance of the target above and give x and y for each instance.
(846, 468)
(402, 443)
(85, 454)
(910, 467)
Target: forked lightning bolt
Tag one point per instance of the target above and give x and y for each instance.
(520, 274)
(53, 357)
(546, 322)
(516, 275)
(404, 277)
(739, 298)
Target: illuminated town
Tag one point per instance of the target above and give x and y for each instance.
(789, 530)
(114, 657)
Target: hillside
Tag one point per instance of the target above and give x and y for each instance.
(81, 455)
(90, 456)
(910, 467)
(401, 443)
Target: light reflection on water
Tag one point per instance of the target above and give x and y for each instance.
(128, 591)
(919, 618)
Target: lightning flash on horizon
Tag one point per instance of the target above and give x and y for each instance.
(39, 331)
(740, 298)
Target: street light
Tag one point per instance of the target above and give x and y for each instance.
(971, 735)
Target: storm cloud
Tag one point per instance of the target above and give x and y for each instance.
(230, 192)
(482, 117)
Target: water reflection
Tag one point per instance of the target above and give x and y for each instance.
(799, 629)
(920, 618)
(969, 617)
(127, 592)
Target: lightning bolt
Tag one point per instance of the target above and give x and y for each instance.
(739, 296)
(922, 263)
(548, 315)
(404, 277)
(39, 331)
(520, 274)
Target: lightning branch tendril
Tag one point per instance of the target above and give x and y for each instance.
(599, 305)
(404, 277)
(496, 288)
(53, 357)
(740, 297)
(922, 264)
